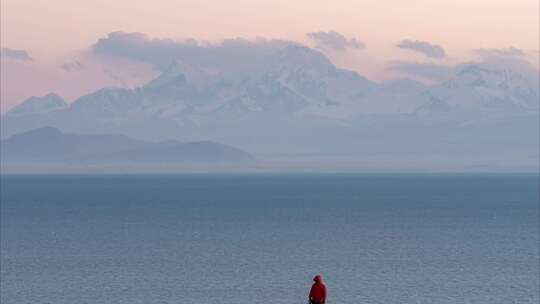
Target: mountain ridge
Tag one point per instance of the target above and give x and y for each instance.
(50, 145)
(296, 101)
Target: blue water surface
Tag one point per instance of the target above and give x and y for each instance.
(260, 238)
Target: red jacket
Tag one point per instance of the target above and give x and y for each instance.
(318, 290)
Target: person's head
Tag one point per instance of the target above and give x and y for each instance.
(317, 279)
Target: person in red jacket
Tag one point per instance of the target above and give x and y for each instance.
(317, 294)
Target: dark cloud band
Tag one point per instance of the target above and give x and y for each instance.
(21, 55)
(423, 47)
(335, 41)
(161, 52)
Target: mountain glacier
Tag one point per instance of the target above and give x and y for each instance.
(296, 101)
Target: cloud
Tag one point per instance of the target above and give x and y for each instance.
(426, 48)
(504, 52)
(21, 55)
(335, 41)
(235, 53)
(72, 66)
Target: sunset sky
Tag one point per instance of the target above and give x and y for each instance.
(53, 32)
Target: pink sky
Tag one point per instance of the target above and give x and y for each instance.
(53, 31)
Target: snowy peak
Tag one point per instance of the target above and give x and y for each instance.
(39, 105)
(109, 101)
(309, 75)
(296, 57)
(181, 74)
(476, 87)
(477, 76)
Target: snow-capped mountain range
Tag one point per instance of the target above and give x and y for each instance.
(293, 93)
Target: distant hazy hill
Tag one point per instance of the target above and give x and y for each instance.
(50, 145)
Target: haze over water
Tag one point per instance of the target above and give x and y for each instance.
(260, 238)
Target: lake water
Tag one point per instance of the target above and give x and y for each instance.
(418, 238)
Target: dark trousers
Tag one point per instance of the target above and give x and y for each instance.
(315, 302)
